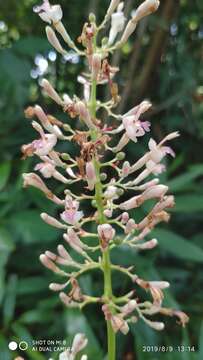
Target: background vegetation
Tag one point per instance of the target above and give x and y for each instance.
(162, 62)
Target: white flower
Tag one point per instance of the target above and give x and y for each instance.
(49, 13)
(117, 23)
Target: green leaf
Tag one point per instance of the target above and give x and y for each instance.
(178, 246)
(31, 285)
(5, 353)
(181, 182)
(5, 169)
(201, 342)
(31, 45)
(10, 299)
(30, 228)
(6, 243)
(188, 203)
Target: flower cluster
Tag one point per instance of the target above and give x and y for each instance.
(99, 149)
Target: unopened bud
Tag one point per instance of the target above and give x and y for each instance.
(62, 31)
(52, 221)
(148, 245)
(120, 192)
(94, 203)
(48, 263)
(51, 92)
(145, 9)
(92, 18)
(124, 217)
(106, 233)
(113, 5)
(118, 240)
(103, 177)
(105, 41)
(65, 156)
(108, 213)
(120, 156)
(91, 175)
(51, 36)
(84, 114)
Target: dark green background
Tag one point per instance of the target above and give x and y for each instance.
(162, 62)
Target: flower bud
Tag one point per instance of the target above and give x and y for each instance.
(73, 240)
(157, 191)
(57, 287)
(118, 240)
(113, 5)
(111, 192)
(106, 233)
(65, 156)
(92, 18)
(120, 156)
(65, 298)
(120, 192)
(124, 217)
(48, 263)
(31, 179)
(79, 342)
(119, 324)
(51, 36)
(84, 114)
(130, 226)
(62, 31)
(145, 9)
(126, 169)
(148, 245)
(94, 203)
(129, 307)
(155, 324)
(103, 176)
(108, 213)
(51, 92)
(91, 175)
(52, 221)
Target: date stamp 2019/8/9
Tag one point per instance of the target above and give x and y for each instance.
(167, 348)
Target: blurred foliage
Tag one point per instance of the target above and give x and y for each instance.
(162, 62)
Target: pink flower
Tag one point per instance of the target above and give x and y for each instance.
(157, 152)
(41, 147)
(134, 127)
(49, 13)
(71, 215)
(48, 170)
(46, 144)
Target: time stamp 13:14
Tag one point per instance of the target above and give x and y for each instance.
(163, 348)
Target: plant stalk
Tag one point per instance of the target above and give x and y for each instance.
(102, 219)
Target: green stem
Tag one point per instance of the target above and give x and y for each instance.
(108, 295)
